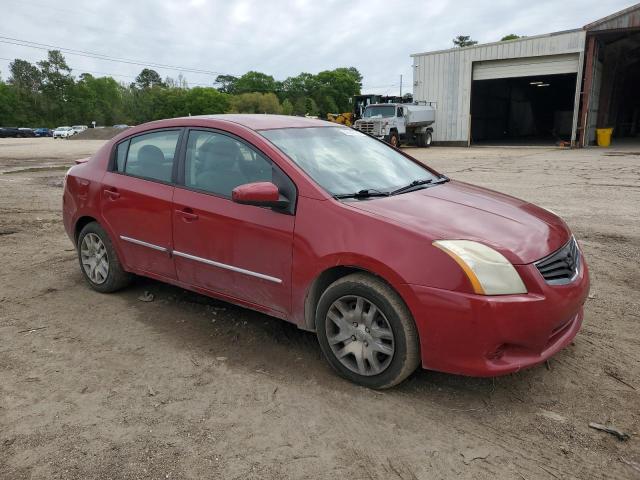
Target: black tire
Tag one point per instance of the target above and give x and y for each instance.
(427, 139)
(394, 140)
(406, 355)
(116, 277)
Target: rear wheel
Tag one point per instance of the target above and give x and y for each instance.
(427, 138)
(366, 331)
(424, 139)
(98, 260)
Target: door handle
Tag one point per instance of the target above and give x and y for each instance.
(112, 193)
(187, 214)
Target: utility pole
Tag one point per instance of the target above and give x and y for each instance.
(401, 85)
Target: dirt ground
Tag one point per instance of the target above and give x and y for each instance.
(107, 386)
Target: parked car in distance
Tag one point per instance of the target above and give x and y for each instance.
(26, 132)
(7, 132)
(79, 128)
(16, 132)
(391, 263)
(63, 132)
(121, 125)
(43, 132)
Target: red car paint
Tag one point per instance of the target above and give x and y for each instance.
(460, 331)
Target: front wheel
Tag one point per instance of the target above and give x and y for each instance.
(366, 332)
(394, 140)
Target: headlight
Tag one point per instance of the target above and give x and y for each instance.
(488, 271)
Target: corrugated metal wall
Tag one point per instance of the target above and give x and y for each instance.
(445, 77)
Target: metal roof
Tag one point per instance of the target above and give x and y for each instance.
(627, 18)
(483, 45)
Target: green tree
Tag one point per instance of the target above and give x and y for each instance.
(310, 107)
(255, 82)
(206, 101)
(299, 86)
(227, 83)
(25, 75)
(96, 99)
(287, 107)
(149, 78)
(10, 108)
(300, 106)
(255, 103)
(57, 84)
(335, 88)
(463, 41)
(511, 36)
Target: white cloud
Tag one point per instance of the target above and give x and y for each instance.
(279, 37)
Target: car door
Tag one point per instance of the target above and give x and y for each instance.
(137, 200)
(241, 251)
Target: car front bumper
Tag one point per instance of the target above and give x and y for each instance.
(486, 336)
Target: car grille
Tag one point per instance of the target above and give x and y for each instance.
(372, 128)
(562, 266)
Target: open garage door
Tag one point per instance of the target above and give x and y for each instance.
(614, 99)
(527, 110)
(526, 67)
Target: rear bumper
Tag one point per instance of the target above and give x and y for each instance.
(486, 336)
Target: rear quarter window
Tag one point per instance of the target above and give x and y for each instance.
(121, 155)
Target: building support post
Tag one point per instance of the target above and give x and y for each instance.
(586, 93)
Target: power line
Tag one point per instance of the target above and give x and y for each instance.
(100, 56)
(84, 70)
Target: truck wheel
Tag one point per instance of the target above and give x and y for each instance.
(427, 140)
(394, 140)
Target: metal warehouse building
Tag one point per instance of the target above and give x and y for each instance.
(537, 90)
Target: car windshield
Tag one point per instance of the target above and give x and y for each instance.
(385, 111)
(344, 161)
(63, 128)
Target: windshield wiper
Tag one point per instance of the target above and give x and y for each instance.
(365, 193)
(418, 184)
(413, 185)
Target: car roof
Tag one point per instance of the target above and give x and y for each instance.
(267, 122)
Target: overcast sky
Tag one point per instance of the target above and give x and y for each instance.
(278, 37)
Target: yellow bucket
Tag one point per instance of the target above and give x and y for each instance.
(604, 136)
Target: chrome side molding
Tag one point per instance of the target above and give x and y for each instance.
(201, 260)
(144, 244)
(227, 267)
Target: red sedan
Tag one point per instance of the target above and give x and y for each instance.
(392, 264)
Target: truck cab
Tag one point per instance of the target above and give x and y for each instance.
(398, 123)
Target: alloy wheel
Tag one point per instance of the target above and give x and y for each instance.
(359, 335)
(93, 255)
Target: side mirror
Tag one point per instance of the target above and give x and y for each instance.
(260, 194)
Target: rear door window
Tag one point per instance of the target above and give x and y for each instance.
(151, 155)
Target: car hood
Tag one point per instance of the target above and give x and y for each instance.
(519, 230)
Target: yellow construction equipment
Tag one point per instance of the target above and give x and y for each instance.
(341, 118)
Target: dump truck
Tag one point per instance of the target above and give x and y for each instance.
(398, 123)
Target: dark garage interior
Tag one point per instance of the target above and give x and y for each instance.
(536, 110)
(619, 96)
